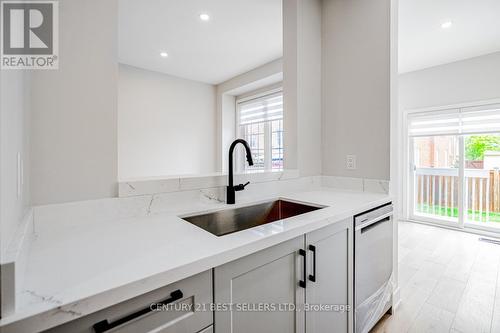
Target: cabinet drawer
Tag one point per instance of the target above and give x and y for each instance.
(132, 316)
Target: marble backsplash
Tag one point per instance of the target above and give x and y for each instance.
(356, 184)
(154, 185)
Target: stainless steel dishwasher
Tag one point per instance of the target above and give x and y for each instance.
(373, 261)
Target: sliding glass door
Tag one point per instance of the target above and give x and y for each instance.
(482, 181)
(436, 183)
(455, 167)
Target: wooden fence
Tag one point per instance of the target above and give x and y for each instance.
(436, 192)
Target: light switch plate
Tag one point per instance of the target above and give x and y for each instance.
(19, 174)
(351, 162)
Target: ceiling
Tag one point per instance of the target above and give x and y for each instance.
(240, 35)
(423, 43)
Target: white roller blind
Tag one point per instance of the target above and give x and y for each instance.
(474, 120)
(434, 123)
(266, 108)
(481, 120)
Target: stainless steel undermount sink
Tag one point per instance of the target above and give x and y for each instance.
(227, 221)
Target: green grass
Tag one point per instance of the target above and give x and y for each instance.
(453, 212)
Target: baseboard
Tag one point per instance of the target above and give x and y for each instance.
(468, 230)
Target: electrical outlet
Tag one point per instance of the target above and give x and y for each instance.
(351, 162)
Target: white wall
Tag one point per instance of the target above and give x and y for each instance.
(227, 110)
(74, 109)
(309, 154)
(290, 87)
(14, 140)
(302, 85)
(166, 125)
(468, 80)
(356, 87)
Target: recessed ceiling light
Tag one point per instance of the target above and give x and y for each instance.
(204, 17)
(446, 25)
(164, 54)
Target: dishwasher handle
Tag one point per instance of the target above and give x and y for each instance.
(373, 221)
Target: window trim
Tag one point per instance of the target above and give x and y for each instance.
(240, 161)
(251, 97)
(405, 161)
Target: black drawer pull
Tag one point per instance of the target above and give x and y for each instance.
(302, 282)
(312, 277)
(105, 325)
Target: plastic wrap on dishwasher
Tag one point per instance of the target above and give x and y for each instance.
(372, 309)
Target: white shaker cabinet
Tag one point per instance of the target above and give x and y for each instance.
(270, 276)
(278, 275)
(330, 254)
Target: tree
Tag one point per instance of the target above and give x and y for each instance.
(476, 145)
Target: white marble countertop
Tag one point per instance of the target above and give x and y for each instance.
(85, 267)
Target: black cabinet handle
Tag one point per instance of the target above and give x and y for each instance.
(312, 277)
(302, 282)
(105, 325)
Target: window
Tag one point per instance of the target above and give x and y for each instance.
(455, 159)
(260, 123)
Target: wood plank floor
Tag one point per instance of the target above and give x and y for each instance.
(449, 282)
